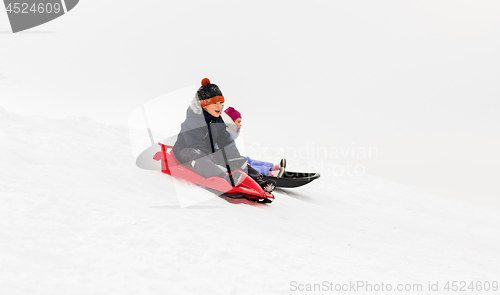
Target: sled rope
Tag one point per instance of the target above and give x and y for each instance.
(223, 154)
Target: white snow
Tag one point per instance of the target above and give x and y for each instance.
(78, 217)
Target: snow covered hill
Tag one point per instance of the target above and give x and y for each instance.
(78, 217)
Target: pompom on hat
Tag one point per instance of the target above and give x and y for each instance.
(232, 113)
(209, 93)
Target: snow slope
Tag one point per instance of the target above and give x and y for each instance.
(78, 217)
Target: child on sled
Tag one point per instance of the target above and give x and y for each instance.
(232, 119)
(204, 143)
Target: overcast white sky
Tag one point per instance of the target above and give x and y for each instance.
(418, 80)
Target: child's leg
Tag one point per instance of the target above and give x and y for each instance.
(266, 166)
(235, 163)
(254, 162)
(261, 169)
(267, 185)
(200, 162)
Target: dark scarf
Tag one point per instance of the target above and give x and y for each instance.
(211, 119)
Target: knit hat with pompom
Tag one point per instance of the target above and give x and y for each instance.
(209, 93)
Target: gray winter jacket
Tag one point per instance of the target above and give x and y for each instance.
(205, 132)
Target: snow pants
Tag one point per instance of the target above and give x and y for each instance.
(214, 164)
(261, 166)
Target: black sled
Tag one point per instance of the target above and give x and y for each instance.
(293, 179)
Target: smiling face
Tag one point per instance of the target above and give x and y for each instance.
(214, 109)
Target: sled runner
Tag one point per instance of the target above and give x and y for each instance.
(293, 179)
(247, 188)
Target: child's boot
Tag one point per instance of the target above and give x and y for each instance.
(280, 173)
(267, 185)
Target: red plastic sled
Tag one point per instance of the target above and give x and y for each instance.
(248, 188)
